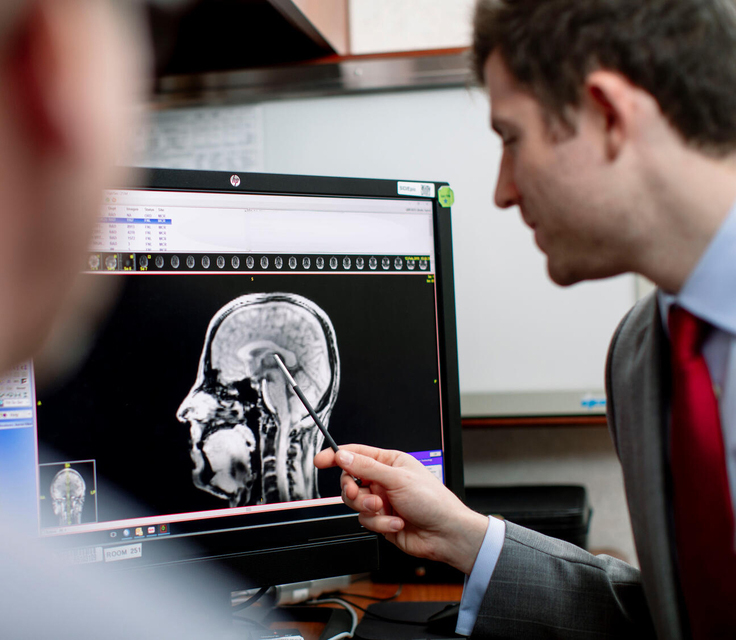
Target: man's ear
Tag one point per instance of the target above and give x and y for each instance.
(608, 96)
(31, 76)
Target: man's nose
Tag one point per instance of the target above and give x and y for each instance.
(507, 194)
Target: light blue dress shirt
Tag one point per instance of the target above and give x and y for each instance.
(710, 294)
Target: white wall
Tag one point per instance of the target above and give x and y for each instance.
(403, 25)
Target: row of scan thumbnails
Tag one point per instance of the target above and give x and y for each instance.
(253, 262)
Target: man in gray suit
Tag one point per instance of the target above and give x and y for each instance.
(618, 121)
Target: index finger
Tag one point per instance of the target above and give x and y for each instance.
(385, 456)
(378, 466)
(326, 457)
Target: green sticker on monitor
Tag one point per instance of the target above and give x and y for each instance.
(446, 197)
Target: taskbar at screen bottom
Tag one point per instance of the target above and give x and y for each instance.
(194, 523)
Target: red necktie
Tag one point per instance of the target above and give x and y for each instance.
(704, 521)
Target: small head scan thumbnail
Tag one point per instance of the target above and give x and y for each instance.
(67, 493)
(251, 440)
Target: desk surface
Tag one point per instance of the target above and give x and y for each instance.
(365, 587)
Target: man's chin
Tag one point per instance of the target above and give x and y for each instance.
(564, 277)
(567, 274)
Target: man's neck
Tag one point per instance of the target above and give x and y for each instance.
(690, 202)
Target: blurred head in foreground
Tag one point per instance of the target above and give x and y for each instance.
(69, 71)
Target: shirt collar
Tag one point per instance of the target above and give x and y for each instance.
(710, 290)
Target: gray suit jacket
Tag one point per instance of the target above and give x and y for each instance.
(544, 588)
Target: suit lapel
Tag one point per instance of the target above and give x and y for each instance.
(640, 391)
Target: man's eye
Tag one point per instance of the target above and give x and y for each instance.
(509, 141)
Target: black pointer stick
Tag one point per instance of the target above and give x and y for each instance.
(308, 407)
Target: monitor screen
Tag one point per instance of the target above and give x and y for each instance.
(171, 436)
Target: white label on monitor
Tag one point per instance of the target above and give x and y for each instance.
(421, 189)
(127, 552)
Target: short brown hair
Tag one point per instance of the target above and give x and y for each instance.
(682, 52)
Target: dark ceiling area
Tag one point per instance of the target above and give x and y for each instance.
(224, 35)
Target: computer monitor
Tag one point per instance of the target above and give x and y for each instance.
(172, 439)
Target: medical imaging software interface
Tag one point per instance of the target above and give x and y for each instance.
(177, 420)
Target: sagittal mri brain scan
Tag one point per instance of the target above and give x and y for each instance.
(67, 496)
(251, 440)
